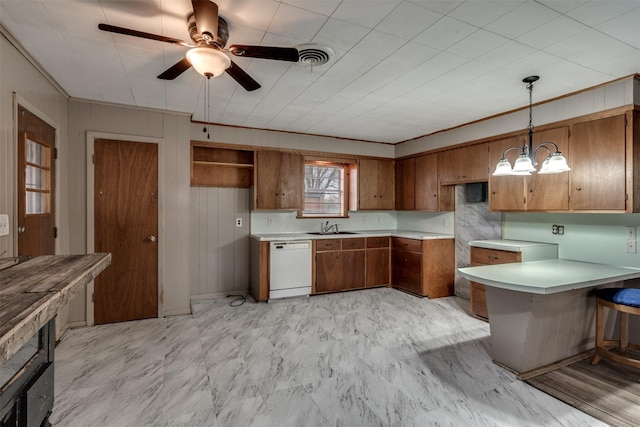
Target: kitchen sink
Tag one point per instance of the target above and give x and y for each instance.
(317, 233)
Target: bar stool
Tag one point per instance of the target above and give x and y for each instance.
(626, 301)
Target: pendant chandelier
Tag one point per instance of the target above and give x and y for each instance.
(526, 163)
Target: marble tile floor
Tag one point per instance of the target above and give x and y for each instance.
(375, 357)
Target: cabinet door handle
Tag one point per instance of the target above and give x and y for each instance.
(579, 188)
(492, 257)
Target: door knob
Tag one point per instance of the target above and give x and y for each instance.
(21, 229)
(151, 239)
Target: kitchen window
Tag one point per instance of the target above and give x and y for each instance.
(325, 189)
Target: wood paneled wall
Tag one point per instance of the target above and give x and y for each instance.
(219, 251)
(38, 94)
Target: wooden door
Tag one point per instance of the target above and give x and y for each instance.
(426, 182)
(405, 182)
(549, 192)
(598, 166)
(507, 192)
(36, 184)
(126, 225)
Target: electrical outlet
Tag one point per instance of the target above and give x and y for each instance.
(238, 222)
(269, 220)
(631, 232)
(4, 224)
(561, 230)
(554, 229)
(631, 247)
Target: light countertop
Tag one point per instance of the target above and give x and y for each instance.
(407, 234)
(548, 276)
(507, 245)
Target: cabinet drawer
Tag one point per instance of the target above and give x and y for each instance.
(407, 280)
(354, 243)
(484, 256)
(405, 260)
(407, 244)
(39, 398)
(327, 245)
(377, 242)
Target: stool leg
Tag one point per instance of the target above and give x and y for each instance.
(624, 333)
(599, 333)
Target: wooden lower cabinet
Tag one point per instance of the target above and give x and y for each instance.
(518, 252)
(423, 267)
(339, 270)
(352, 263)
(378, 264)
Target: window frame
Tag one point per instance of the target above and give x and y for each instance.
(346, 166)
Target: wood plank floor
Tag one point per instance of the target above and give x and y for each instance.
(607, 391)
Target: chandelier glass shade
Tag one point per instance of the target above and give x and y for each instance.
(526, 163)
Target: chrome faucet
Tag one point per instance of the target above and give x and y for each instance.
(326, 228)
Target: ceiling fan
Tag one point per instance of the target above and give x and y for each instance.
(207, 55)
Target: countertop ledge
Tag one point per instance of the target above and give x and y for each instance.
(407, 234)
(32, 292)
(548, 276)
(507, 245)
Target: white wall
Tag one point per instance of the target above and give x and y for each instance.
(587, 237)
(602, 98)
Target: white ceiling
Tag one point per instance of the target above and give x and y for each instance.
(401, 69)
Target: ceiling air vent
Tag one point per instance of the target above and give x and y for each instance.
(313, 54)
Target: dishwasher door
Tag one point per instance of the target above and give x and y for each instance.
(289, 269)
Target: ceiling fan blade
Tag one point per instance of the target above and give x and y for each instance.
(175, 70)
(205, 13)
(244, 79)
(141, 34)
(266, 52)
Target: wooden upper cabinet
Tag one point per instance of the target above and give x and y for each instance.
(427, 194)
(533, 192)
(598, 179)
(506, 193)
(405, 184)
(549, 192)
(417, 185)
(465, 164)
(375, 184)
(279, 180)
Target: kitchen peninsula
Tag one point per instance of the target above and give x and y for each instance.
(31, 293)
(542, 312)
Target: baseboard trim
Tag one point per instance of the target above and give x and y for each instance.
(218, 295)
(176, 312)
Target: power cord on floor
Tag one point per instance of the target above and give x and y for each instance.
(239, 299)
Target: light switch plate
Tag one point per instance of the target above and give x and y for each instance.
(631, 232)
(4, 224)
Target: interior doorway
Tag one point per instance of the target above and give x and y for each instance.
(125, 205)
(36, 221)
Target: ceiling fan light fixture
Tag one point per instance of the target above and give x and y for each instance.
(208, 61)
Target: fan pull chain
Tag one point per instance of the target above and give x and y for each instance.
(208, 101)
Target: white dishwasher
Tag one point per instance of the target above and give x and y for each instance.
(289, 269)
